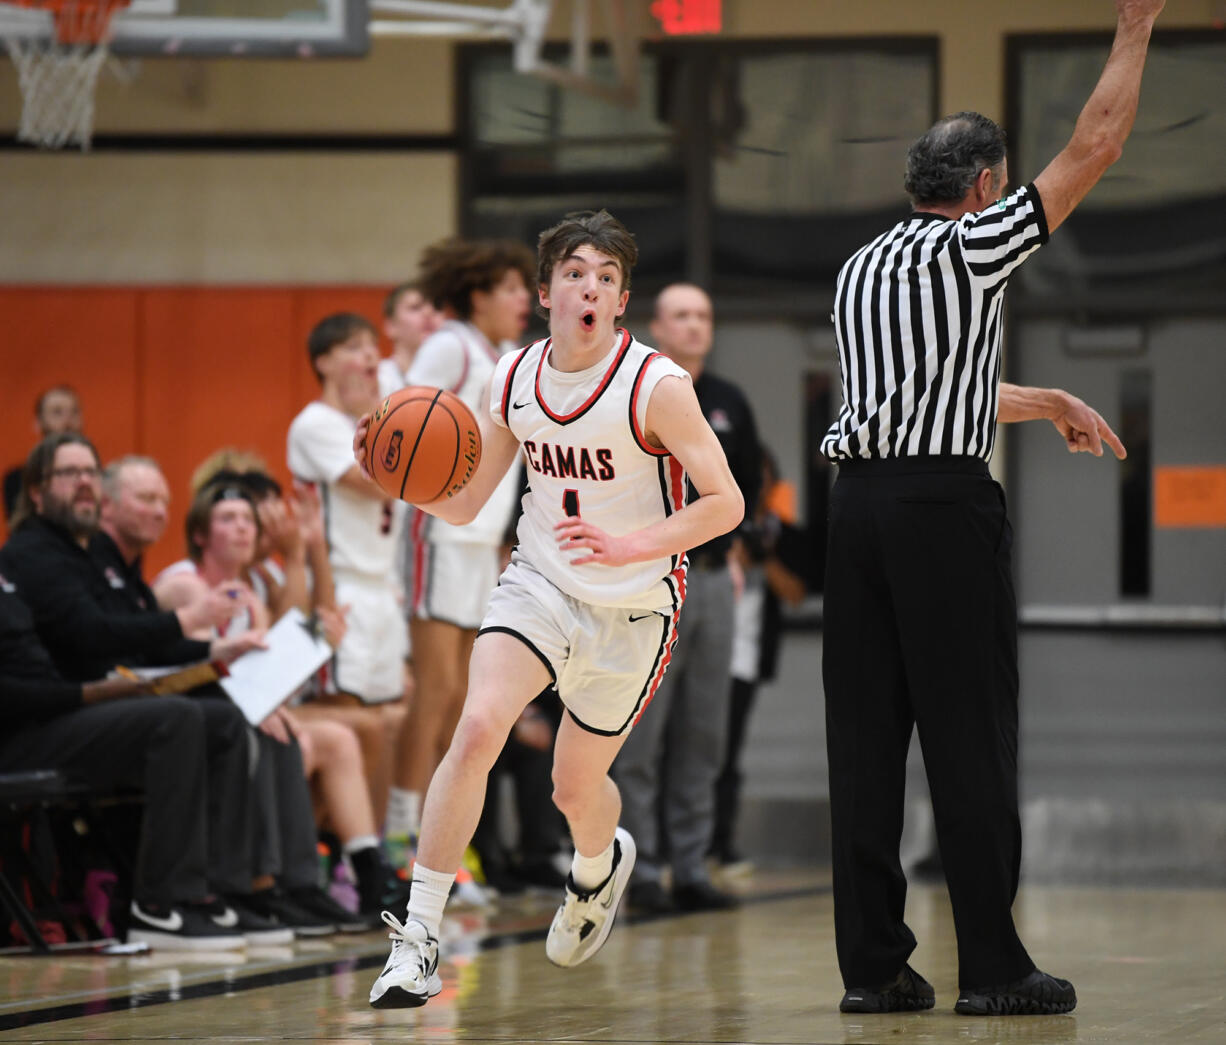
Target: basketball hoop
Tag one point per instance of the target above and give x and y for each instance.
(58, 71)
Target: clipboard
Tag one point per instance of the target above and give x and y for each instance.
(261, 681)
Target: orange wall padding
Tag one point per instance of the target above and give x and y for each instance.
(171, 372)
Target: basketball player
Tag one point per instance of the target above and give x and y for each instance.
(482, 290)
(408, 319)
(360, 521)
(608, 431)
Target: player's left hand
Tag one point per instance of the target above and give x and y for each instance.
(573, 533)
(1085, 431)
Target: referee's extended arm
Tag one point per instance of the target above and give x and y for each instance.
(1082, 426)
(1105, 122)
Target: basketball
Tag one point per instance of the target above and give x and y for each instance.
(423, 444)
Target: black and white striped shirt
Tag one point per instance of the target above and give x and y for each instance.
(918, 316)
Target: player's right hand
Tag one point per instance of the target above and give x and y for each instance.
(359, 443)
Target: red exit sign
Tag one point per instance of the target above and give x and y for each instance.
(678, 17)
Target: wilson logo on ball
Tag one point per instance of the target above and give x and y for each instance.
(391, 455)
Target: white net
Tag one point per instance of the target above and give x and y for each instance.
(58, 74)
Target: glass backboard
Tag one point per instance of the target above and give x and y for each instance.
(222, 28)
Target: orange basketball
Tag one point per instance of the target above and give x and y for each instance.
(423, 444)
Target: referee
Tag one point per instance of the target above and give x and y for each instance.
(920, 622)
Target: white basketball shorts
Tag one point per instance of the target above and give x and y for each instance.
(606, 662)
(450, 581)
(370, 660)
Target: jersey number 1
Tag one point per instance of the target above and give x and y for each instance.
(570, 502)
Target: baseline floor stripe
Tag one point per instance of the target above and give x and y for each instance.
(231, 984)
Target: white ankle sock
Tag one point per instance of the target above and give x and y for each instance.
(403, 812)
(428, 897)
(356, 845)
(589, 871)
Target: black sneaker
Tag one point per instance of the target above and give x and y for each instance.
(540, 873)
(702, 896)
(649, 898)
(275, 904)
(909, 992)
(379, 887)
(183, 927)
(234, 912)
(313, 899)
(1035, 995)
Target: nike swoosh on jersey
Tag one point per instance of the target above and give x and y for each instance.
(172, 924)
(642, 616)
(519, 406)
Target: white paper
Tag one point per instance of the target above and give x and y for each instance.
(262, 680)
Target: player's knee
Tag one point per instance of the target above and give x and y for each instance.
(476, 741)
(570, 798)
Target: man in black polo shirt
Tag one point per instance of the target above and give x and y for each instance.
(687, 725)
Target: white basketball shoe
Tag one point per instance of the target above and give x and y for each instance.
(584, 920)
(410, 977)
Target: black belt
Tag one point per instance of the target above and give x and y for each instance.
(933, 464)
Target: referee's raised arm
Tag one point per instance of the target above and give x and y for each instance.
(1105, 122)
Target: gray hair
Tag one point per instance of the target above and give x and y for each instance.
(112, 475)
(944, 162)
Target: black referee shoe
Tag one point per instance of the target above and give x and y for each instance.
(909, 992)
(1035, 995)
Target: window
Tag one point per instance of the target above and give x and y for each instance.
(754, 168)
(1152, 234)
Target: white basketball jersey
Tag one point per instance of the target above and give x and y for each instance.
(362, 533)
(459, 358)
(585, 454)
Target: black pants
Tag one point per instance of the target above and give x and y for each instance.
(283, 837)
(921, 631)
(155, 743)
(230, 804)
(728, 783)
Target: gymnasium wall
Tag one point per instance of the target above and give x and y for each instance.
(174, 288)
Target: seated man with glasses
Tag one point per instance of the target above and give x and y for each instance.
(76, 611)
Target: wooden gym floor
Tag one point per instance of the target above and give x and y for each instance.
(1149, 966)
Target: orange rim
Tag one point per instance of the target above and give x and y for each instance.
(77, 21)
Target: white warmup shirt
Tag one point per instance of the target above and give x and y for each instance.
(361, 532)
(459, 358)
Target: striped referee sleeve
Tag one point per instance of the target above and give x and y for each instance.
(995, 241)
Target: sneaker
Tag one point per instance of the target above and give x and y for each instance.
(378, 888)
(410, 977)
(320, 904)
(466, 893)
(650, 898)
(180, 928)
(540, 874)
(233, 913)
(909, 992)
(276, 904)
(584, 920)
(1035, 995)
(702, 896)
(313, 899)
